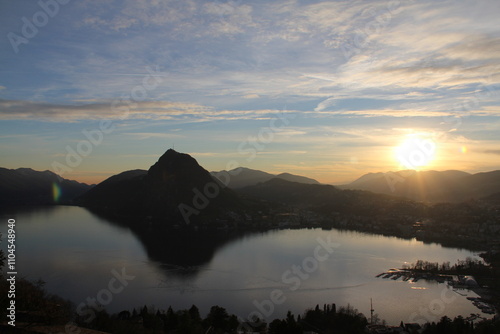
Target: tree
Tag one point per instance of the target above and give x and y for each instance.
(170, 320)
(217, 318)
(194, 313)
(292, 327)
(277, 326)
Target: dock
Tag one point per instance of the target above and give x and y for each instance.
(456, 282)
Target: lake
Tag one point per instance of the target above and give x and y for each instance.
(269, 273)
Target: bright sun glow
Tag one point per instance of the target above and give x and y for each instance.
(415, 152)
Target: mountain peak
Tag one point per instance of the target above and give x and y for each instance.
(173, 154)
(171, 151)
(168, 192)
(296, 178)
(179, 166)
(175, 157)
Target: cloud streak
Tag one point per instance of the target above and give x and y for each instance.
(189, 112)
(156, 110)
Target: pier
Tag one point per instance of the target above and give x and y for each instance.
(455, 281)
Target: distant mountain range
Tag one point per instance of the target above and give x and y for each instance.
(155, 192)
(25, 186)
(431, 186)
(422, 186)
(243, 177)
(177, 189)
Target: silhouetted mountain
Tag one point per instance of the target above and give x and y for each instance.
(366, 179)
(430, 186)
(116, 191)
(296, 178)
(244, 177)
(482, 184)
(173, 188)
(25, 186)
(328, 199)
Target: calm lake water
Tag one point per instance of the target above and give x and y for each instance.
(74, 251)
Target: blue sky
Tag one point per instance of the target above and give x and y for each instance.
(327, 89)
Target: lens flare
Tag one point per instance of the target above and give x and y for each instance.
(56, 192)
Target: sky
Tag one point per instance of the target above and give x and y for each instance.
(327, 89)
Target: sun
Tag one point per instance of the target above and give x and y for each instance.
(415, 152)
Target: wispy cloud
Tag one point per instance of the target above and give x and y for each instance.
(25, 110)
(287, 49)
(152, 110)
(138, 156)
(147, 135)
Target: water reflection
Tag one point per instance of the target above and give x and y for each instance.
(177, 252)
(75, 250)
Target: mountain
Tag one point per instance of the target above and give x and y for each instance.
(243, 177)
(327, 199)
(25, 186)
(175, 190)
(296, 178)
(482, 185)
(430, 186)
(366, 179)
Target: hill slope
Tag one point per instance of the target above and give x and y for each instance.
(328, 199)
(25, 186)
(243, 177)
(430, 186)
